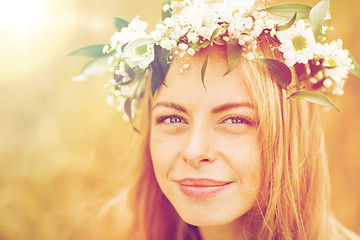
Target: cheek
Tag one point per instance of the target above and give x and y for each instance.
(244, 158)
(242, 152)
(160, 154)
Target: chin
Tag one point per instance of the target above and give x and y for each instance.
(203, 222)
(204, 218)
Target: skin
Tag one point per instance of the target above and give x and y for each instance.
(212, 133)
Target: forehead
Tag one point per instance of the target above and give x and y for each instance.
(187, 87)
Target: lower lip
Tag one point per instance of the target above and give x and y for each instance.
(202, 192)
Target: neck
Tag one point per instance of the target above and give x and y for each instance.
(229, 231)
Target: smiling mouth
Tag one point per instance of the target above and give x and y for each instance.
(202, 188)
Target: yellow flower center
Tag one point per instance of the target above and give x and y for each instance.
(299, 43)
(331, 62)
(141, 50)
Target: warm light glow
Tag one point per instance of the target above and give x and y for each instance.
(20, 14)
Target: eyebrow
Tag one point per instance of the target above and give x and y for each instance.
(217, 109)
(228, 106)
(170, 105)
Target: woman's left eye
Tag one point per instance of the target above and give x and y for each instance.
(238, 120)
(234, 121)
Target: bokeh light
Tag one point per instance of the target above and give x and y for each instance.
(21, 14)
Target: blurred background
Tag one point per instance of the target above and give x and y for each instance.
(62, 147)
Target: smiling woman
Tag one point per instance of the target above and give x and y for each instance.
(231, 144)
(233, 157)
(195, 134)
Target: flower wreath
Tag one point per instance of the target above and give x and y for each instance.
(190, 25)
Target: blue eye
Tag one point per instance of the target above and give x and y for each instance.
(239, 120)
(234, 121)
(173, 119)
(170, 119)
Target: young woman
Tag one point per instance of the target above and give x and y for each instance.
(224, 153)
(237, 160)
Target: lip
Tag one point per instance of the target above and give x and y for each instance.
(201, 188)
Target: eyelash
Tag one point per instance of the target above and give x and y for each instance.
(242, 119)
(162, 119)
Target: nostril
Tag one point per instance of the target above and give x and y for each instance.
(205, 160)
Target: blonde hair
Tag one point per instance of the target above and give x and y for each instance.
(294, 199)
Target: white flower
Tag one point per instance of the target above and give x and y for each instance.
(297, 43)
(168, 44)
(122, 69)
(248, 22)
(117, 93)
(192, 36)
(111, 60)
(135, 30)
(327, 83)
(336, 57)
(201, 18)
(239, 6)
(273, 32)
(105, 49)
(169, 22)
(191, 51)
(183, 46)
(156, 35)
(110, 100)
(141, 56)
(166, 7)
(250, 56)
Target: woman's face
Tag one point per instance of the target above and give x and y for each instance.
(204, 144)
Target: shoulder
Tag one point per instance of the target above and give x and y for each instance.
(350, 235)
(115, 217)
(341, 232)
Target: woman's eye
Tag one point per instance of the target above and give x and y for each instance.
(170, 119)
(234, 121)
(173, 119)
(239, 120)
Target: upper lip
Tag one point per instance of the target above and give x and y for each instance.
(201, 182)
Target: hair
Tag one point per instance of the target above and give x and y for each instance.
(294, 197)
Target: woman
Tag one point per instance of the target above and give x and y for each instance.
(227, 156)
(265, 152)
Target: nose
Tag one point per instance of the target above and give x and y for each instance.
(198, 149)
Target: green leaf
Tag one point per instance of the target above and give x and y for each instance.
(287, 25)
(314, 97)
(126, 83)
(94, 51)
(219, 41)
(130, 72)
(356, 70)
(160, 67)
(234, 51)
(127, 108)
(198, 46)
(120, 23)
(278, 70)
(317, 16)
(329, 67)
(92, 69)
(165, 14)
(287, 10)
(203, 68)
(138, 43)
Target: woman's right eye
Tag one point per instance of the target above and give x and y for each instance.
(170, 119)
